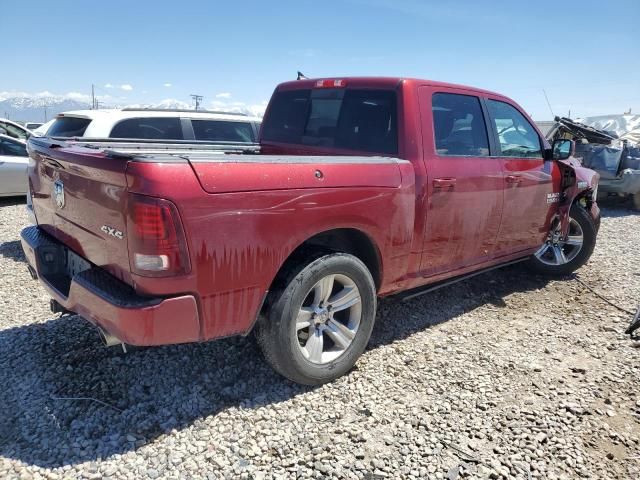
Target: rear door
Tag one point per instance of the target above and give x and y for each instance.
(532, 185)
(464, 182)
(13, 167)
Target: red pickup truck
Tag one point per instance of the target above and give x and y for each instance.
(363, 187)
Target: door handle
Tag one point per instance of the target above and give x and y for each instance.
(441, 183)
(513, 179)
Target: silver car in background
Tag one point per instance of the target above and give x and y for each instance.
(13, 166)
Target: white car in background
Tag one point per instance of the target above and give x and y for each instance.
(13, 166)
(157, 126)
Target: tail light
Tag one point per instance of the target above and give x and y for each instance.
(157, 245)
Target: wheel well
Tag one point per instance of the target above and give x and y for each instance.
(345, 240)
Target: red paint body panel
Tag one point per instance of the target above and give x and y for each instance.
(175, 320)
(429, 217)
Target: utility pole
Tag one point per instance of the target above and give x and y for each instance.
(197, 99)
(45, 113)
(93, 98)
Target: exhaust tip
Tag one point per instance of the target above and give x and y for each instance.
(108, 339)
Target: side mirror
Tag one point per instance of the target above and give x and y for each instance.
(562, 149)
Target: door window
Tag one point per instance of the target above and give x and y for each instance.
(458, 125)
(12, 149)
(13, 131)
(223, 131)
(151, 128)
(516, 136)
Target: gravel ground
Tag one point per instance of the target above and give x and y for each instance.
(505, 375)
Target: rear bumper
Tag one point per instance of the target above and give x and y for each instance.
(104, 300)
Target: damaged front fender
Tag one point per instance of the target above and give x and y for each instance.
(579, 184)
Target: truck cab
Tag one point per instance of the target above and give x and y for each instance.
(479, 160)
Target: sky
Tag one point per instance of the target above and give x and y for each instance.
(582, 53)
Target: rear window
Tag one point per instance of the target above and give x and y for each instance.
(68, 127)
(359, 120)
(155, 128)
(222, 131)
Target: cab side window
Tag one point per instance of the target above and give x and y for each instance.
(458, 125)
(516, 136)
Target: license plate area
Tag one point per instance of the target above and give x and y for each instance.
(75, 264)
(59, 265)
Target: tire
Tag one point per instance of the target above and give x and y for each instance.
(570, 260)
(323, 350)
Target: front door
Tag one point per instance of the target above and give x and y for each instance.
(532, 185)
(465, 185)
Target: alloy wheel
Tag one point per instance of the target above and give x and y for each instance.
(328, 319)
(558, 251)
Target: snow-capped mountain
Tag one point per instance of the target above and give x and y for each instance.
(35, 107)
(169, 103)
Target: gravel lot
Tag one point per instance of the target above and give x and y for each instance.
(504, 375)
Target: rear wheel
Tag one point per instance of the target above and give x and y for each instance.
(561, 257)
(319, 324)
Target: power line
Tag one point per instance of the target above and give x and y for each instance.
(197, 99)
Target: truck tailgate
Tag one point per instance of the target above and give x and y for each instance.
(79, 197)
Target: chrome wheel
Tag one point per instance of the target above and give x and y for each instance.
(328, 318)
(557, 251)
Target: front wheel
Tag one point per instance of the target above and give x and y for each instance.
(558, 257)
(320, 323)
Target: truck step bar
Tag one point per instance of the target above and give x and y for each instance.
(416, 292)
